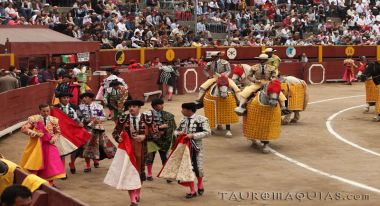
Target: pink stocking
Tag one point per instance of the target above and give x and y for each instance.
(132, 195)
(88, 163)
(190, 185)
(200, 183)
(192, 188)
(150, 168)
(185, 184)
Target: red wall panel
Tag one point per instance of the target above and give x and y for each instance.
(5, 62)
(18, 104)
(107, 57)
(340, 51)
(179, 53)
(310, 51)
(143, 81)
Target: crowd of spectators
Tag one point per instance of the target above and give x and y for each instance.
(133, 24)
(13, 78)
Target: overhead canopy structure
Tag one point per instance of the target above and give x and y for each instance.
(32, 40)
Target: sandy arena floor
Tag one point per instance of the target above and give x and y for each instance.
(309, 164)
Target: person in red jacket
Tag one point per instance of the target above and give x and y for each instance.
(133, 65)
(362, 65)
(156, 63)
(34, 78)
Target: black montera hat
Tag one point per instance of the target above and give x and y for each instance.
(190, 105)
(87, 94)
(133, 102)
(64, 94)
(157, 102)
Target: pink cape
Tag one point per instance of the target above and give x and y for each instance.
(52, 163)
(348, 75)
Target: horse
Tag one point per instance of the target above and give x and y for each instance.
(263, 120)
(372, 70)
(240, 74)
(219, 103)
(295, 91)
(371, 94)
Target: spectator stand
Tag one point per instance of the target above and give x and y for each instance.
(286, 22)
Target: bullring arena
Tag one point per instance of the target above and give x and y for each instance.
(330, 157)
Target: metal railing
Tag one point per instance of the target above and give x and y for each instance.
(183, 15)
(216, 27)
(168, 4)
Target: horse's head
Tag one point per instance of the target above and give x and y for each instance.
(273, 90)
(223, 85)
(367, 72)
(371, 70)
(237, 73)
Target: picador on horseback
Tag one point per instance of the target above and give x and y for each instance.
(372, 70)
(217, 66)
(259, 75)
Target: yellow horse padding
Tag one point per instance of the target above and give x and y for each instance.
(7, 179)
(262, 122)
(371, 91)
(33, 182)
(285, 88)
(219, 110)
(296, 95)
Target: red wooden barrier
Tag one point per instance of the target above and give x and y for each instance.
(179, 53)
(190, 79)
(20, 103)
(140, 81)
(107, 57)
(340, 51)
(143, 81)
(47, 195)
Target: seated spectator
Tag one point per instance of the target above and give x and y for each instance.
(122, 45)
(10, 11)
(112, 22)
(137, 41)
